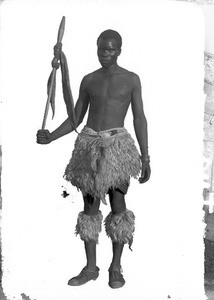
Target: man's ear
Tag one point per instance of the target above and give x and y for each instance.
(119, 51)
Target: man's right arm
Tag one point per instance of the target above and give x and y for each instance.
(45, 137)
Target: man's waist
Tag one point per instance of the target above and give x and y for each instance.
(103, 133)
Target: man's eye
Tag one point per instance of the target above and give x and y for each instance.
(111, 50)
(106, 50)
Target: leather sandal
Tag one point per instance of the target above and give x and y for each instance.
(116, 279)
(84, 276)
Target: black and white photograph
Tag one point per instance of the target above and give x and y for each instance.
(106, 134)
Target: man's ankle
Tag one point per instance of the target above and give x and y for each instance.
(115, 266)
(91, 267)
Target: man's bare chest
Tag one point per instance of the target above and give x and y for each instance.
(115, 87)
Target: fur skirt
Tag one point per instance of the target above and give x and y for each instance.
(102, 160)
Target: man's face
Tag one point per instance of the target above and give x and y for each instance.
(107, 51)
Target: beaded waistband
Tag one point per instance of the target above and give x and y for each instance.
(87, 131)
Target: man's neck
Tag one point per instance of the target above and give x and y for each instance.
(111, 69)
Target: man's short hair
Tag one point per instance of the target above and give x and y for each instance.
(111, 34)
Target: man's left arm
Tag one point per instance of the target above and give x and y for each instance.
(140, 126)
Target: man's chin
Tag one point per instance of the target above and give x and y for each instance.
(104, 64)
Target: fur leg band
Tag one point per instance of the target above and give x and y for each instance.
(89, 227)
(120, 227)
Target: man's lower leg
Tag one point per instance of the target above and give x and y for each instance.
(90, 251)
(120, 228)
(117, 253)
(88, 227)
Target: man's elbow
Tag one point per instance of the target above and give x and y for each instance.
(79, 121)
(139, 120)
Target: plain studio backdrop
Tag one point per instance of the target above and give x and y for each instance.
(163, 44)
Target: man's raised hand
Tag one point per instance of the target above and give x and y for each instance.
(43, 137)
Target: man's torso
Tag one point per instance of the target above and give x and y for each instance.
(109, 98)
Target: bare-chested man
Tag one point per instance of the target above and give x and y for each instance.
(105, 156)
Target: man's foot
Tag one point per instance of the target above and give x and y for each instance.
(84, 276)
(116, 279)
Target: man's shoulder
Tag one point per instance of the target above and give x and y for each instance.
(91, 75)
(86, 80)
(129, 73)
(131, 77)
(135, 78)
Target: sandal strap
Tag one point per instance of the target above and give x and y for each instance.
(112, 269)
(86, 271)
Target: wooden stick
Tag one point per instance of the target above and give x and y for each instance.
(59, 40)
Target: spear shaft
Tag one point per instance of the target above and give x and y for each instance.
(53, 76)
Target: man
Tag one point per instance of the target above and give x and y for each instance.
(105, 157)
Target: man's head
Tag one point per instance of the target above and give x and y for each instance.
(109, 35)
(109, 47)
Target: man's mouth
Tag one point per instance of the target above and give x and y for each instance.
(104, 60)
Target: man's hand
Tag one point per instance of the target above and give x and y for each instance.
(43, 137)
(145, 172)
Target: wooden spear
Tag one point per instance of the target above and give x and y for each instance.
(53, 76)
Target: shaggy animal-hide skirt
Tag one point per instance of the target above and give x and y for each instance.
(102, 160)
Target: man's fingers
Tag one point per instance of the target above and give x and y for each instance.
(145, 175)
(42, 132)
(40, 141)
(42, 136)
(143, 180)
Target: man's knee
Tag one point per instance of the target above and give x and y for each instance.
(91, 206)
(117, 201)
